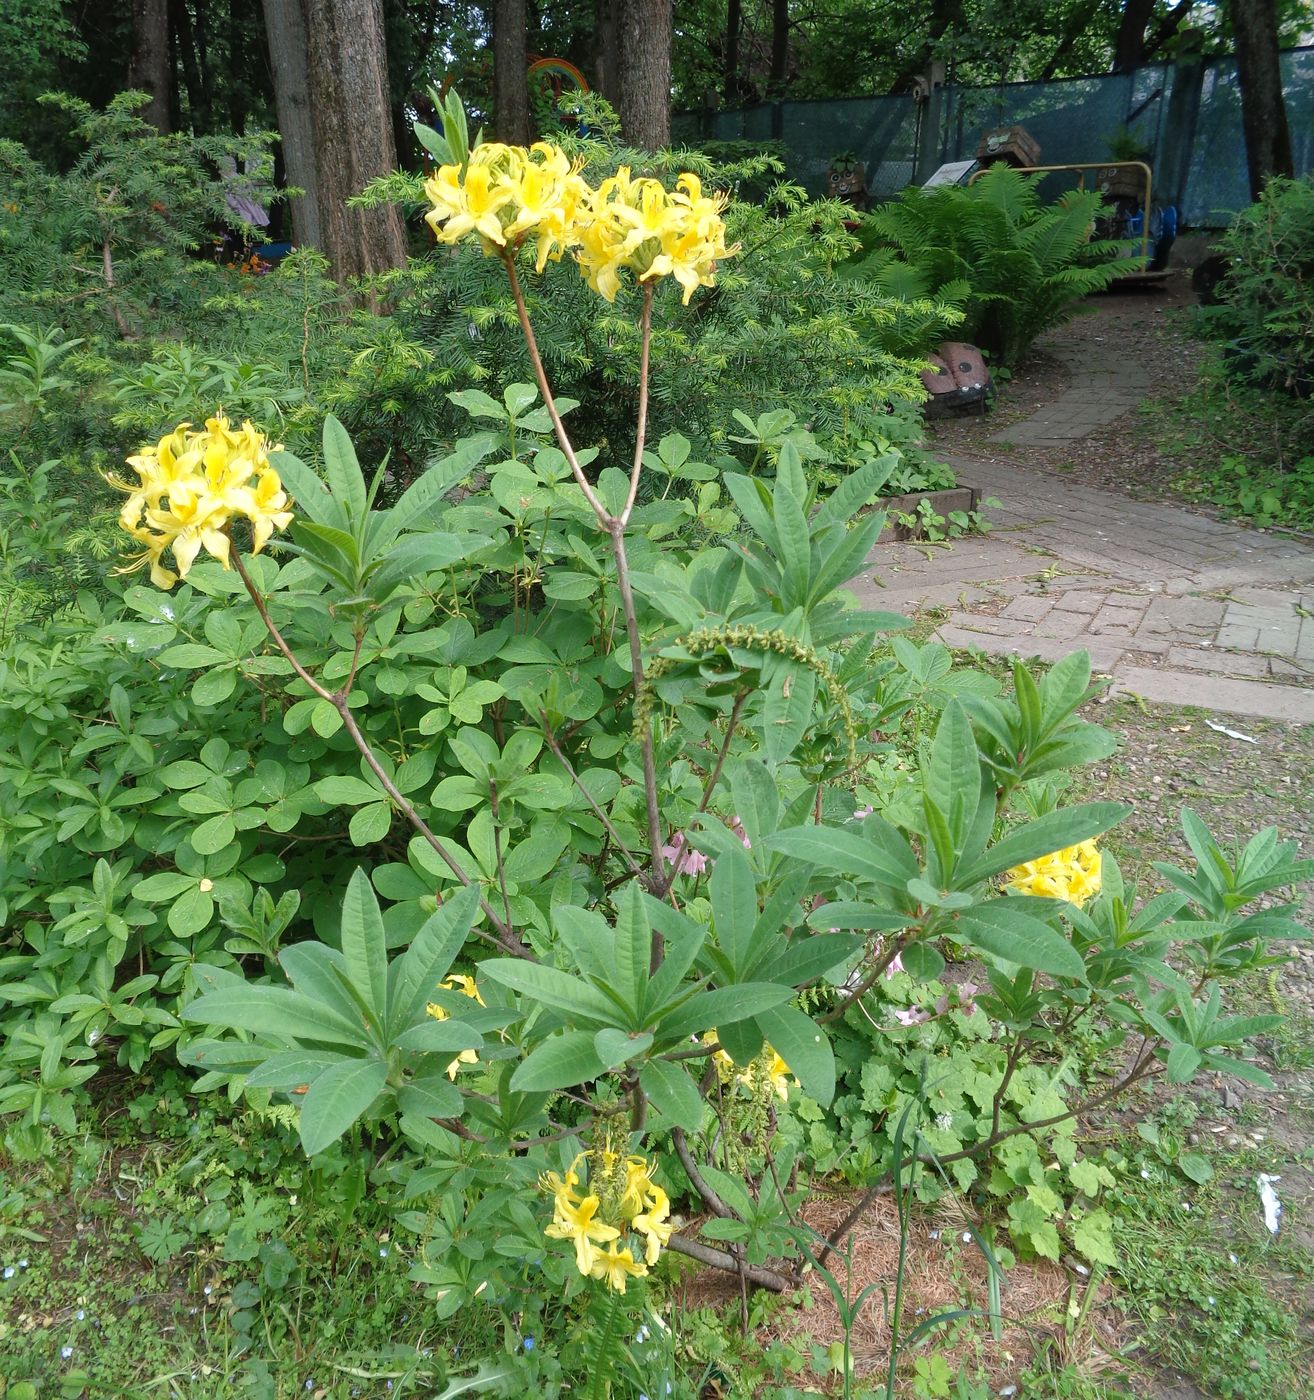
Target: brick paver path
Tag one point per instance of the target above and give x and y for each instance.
(1175, 606)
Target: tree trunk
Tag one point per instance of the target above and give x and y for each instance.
(1129, 47)
(645, 73)
(511, 122)
(734, 21)
(779, 47)
(606, 39)
(296, 127)
(149, 68)
(194, 80)
(1263, 108)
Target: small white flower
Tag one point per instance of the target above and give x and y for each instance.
(967, 1237)
(1186, 1205)
(944, 1121)
(66, 1352)
(1145, 1173)
(207, 1290)
(10, 1271)
(81, 1314)
(1209, 1301)
(383, 1254)
(22, 1263)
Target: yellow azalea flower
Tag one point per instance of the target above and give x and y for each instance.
(637, 1187)
(653, 1223)
(725, 1066)
(190, 487)
(1072, 874)
(616, 1267)
(575, 1221)
(770, 1069)
(457, 982)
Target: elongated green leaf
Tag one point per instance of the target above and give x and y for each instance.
(309, 495)
(548, 986)
(365, 945)
(436, 1037)
(674, 1093)
(734, 908)
(858, 489)
(632, 949)
(416, 974)
(1019, 938)
(804, 1047)
(706, 1010)
(1055, 830)
(277, 1012)
(791, 691)
(291, 1070)
(953, 771)
(345, 479)
(616, 1047)
(846, 852)
(562, 1062)
(342, 790)
(336, 1099)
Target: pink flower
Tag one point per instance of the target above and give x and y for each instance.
(862, 812)
(896, 965)
(738, 828)
(682, 856)
(911, 1016)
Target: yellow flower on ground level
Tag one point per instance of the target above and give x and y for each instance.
(1072, 874)
(190, 486)
(616, 1266)
(575, 1221)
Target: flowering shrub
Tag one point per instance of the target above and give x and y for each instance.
(435, 876)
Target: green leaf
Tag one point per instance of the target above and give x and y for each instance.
(425, 963)
(1196, 1167)
(213, 835)
(342, 469)
(1018, 938)
(371, 824)
(277, 1012)
(289, 1071)
(674, 1094)
(432, 1096)
(336, 1099)
(706, 1010)
(559, 1063)
(791, 692)
(734, 907)
(1053, 832)
(615, 1047)
(804, 1047)
(549, 987)
(342, 790)
(365, 944)
(632, 949)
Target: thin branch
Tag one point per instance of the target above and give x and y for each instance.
(497, 851)
(641, 427)
(719, 1259)
(711, 1200)
(714, 776)
(559, 754)
(869, 981)
(505, 937)
(544, 388)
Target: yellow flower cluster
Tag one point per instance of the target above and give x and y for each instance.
(457, 982)
(508, 194)
(1072, 874)
(190, 486)
(627, 1197)
(768, 1069)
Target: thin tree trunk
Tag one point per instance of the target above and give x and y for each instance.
(645, 73)
(734, 23)
(149, 68)
(779, 47)
(1263, 107)
(198, 97)
(287, 62)
(347, 72)
(606, 39)
(510, 64)
(1129, 47)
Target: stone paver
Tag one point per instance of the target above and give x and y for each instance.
(1174, 606)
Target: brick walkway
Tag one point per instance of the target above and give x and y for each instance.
(1176, 607)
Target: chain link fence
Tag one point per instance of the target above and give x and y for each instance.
(1074, 120)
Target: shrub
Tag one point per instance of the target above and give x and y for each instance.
(1015, 266)
(1265, 317)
